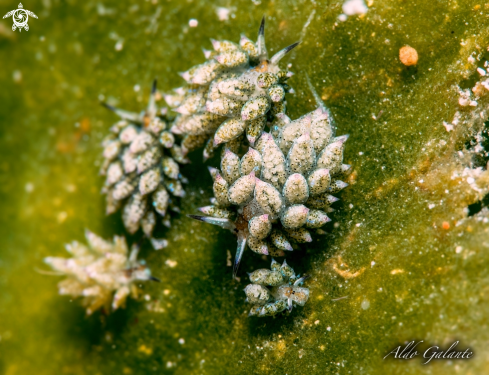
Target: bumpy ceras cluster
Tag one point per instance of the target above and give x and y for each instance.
(235, 92)
(101, 273)
(142, 169)
(281, 187)
(285, 292)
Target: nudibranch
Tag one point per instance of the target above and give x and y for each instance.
(275, 290)
(141, 165)
(278, 191)
(234, 93)
(104, 274)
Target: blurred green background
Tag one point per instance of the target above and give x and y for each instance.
(402, 248)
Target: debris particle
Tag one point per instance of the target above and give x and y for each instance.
(171, 263)
(62, 216)
(353, 7)
(119, 45)
(229, 258)
(181, 341)
(448, 127)
(396, 271)
(29, 187)
(193, 22)
(17, 76)
(223, 13)
(408, 56)
(365, 304)
(445, 225)
(144, 349)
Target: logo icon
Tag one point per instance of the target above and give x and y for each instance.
(20, 17)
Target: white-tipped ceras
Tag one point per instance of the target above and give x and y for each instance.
(278, 191)
(233, 94)
(142, 167)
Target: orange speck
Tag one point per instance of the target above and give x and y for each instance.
(85, 125)
(263, 67)
(283, 25)
(445, 225)
(408, 56)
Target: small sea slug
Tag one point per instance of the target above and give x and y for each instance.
(234, 93)
(142, 169)
(104, 274)
(275, 290)
(278, 191)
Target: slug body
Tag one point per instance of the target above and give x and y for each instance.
(142, 167)
(233, 94)
(272, 190)
(103, 274)
(276, 290)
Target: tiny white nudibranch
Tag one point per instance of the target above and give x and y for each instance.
(275, 290)
(102, 274)
(141, 165)
(233, 94)
(278, 191)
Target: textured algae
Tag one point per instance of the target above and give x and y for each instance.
(404, 252)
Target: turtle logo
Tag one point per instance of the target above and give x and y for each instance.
(20, 17)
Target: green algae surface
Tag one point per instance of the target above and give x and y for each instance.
(405, 258)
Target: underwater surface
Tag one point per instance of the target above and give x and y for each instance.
(406, 256)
